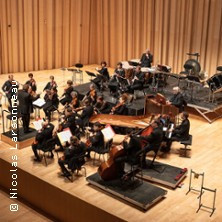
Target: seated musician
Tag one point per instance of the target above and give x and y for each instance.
(177, 99)
(91, 94)
(84, 117)
(138, 78)
(71, 154)
(68, 121)
(120, 108)
(146, 59)
(180, 133)
(51, 102)
(103, 77)
(41, 138)
(32, 83)
(74, 104)
(51, 84)
(101, 106)
(67, 93)
(153, 140)
(96, 140)
(7, 88)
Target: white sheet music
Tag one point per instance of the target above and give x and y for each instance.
(39, 102)
(65, 135)
(38, 124)
(108, 132)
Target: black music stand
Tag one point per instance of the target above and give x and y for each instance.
(90, 74)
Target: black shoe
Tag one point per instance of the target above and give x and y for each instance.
(59, 150)
(37, 159)
(65, 174)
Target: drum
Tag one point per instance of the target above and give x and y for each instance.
(193, 65)
(215, 82)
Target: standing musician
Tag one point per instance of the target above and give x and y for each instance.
(67, 98)
(71, 156)
(138, 78)
(96, 140)
(41, 138)
(102, 77)
(25, 106)
(7, 88)
(32, 83)
(91, 95)
(120, 108)
(177, 99)
(101, 106)
(51, 84)
(146, 59)
(51, 102)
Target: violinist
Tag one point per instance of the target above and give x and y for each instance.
(25, 106)
(102, 77)
(51, 102)
(32, 83)
(120, 108)
(91, 94)
(101, 106)
(7, 88)
(71, 154)
(51, 84)
(41, 138)
(66, 97)
(119, 72)
(96, 140)
(74, 104)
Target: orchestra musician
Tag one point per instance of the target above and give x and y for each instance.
(74, 104)
(51, 84)
(101, 106)
(51, 102)
(96, 140)
(120, 108)
(177, 99)
(41, 138)
(67, 121)
(7, 88)
(91, 95)
(25, 106)
(71, 154)
(146, 59)
(102, 77)
(32, 83)
(67, 98)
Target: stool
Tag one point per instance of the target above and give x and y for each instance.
(186, 143)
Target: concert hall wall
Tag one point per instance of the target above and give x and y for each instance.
(46, 34)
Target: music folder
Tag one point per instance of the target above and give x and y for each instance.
(39, 102)
(65, 135)
(38, 124)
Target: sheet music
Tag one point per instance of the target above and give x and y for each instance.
(108, 132)
(39, 102)
(65, 135)
(38, 124)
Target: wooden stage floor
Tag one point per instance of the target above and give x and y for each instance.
(97, 205)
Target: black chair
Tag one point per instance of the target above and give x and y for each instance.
(106, 149)
(48, 148)
(185, 149)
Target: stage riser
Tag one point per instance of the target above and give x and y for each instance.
(52, 200)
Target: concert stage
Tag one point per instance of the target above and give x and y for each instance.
(164, 174)
(24, 139)
(197, 98)
(142, 195)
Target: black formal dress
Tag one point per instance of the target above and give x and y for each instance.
(85, 116)
(102, 107)
(25, 108)
(32, 85)
(50, 85)
(67, 98)
(50, 105)
(121, 110)
(42, 137)
(71, 158)
(146, 60)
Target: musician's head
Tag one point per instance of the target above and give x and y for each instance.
(87, 102)
(54, 90)
(10, 77)
(97, 126)
(123, 98)
(51, 78)
(185, 115)
(147, 51)
(155, 124)
(74, 141)
(138, 68)
(25, 87)
(30, 75)
(68, 111)
(103, 64)
(91, 87)
(119, 65)
(69, 83)
(74, 94)
(176, 90)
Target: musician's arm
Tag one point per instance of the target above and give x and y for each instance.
(4, 87)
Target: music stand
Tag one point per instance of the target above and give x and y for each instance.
(63, 73)
(91, 74)
(132, 63)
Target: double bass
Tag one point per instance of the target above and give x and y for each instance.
(109, 170)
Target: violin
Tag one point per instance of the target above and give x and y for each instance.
(92, 93)
(74, 102)
(116, 107)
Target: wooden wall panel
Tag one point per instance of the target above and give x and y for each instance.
(46, 34)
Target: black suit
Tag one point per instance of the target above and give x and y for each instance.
(146, 60)
(33, 86)
(121, 110)
(85, 116)
(50, 105)
(181, 132)
(42, 137)
(97, 142)
(70, 122)
(178, 101)
(25, 108)
(68, 97)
